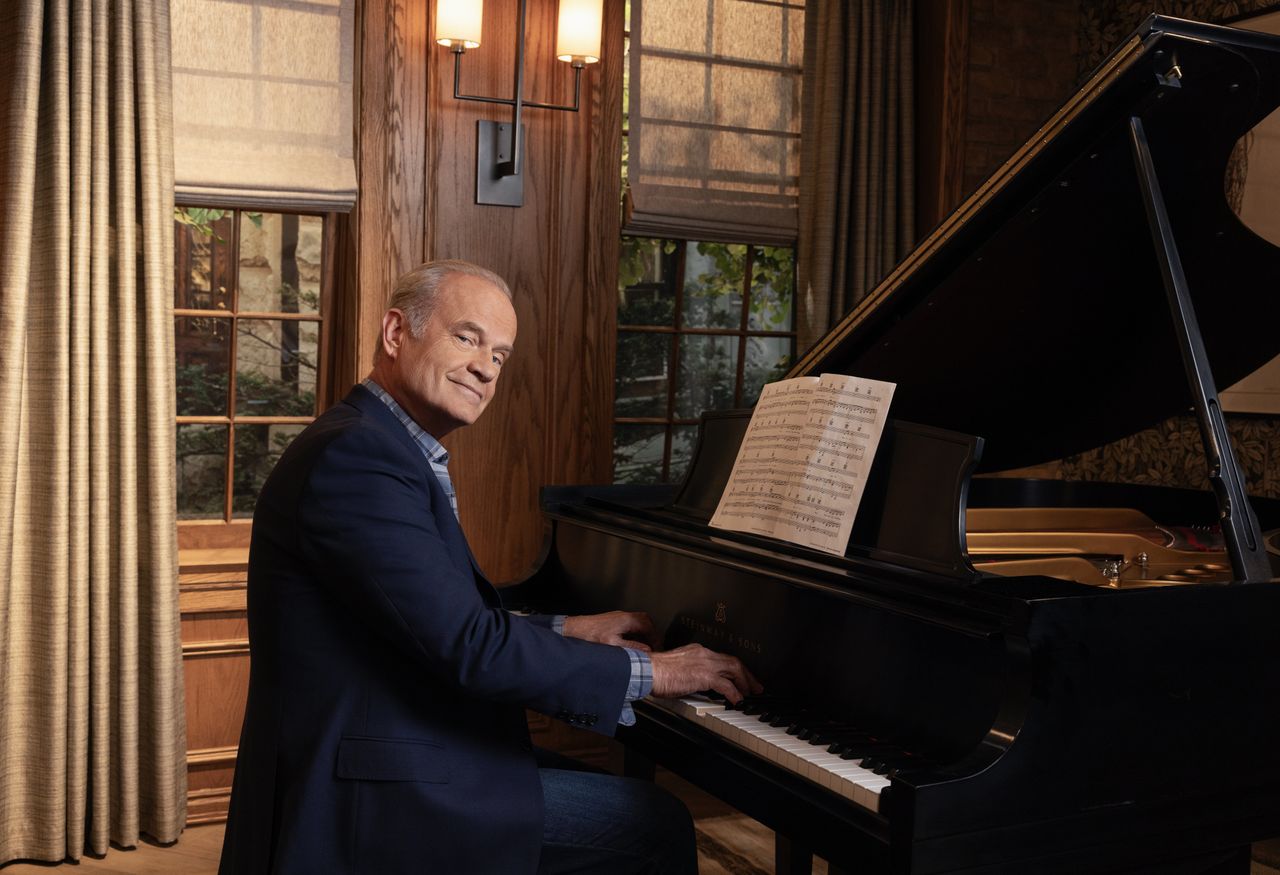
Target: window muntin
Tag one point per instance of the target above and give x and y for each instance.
(701, 326)
(249, 311)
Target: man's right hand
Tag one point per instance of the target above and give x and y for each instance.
(693, 668)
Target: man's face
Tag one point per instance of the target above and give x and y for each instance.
(448, 375)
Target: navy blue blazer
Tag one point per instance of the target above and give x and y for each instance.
(385, 730)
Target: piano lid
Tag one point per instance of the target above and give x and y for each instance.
(1035, 316)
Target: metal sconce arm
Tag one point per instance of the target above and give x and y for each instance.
(498, 177)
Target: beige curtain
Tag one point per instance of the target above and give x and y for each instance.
(92, 730)
(714, 120)
(857, 195)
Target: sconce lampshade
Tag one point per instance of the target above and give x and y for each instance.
(458, 22)
(578, 33)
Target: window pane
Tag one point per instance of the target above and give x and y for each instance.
(202, 471)
(713, 285)
(641, 384)
(258, 448)
(280, 263)
(683, 438)
(772, 289)
(708, 369)
(202, 346)
(202, 277)
(637, 453)
(646, 282)
(276, 367)
(768, 359)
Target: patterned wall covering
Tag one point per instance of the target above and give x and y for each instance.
(1104, 23)
(1170, 454)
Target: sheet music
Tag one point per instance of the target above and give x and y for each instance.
(803, 464)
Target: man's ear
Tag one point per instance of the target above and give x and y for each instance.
(394, 328)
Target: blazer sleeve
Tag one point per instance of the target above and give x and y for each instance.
(366, 527)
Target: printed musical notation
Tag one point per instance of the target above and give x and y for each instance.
(803, 463)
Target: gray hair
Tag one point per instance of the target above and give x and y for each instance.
(415, 292)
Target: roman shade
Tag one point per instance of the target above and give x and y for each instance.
(262, 103)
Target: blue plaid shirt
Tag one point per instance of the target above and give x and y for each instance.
(438, 457)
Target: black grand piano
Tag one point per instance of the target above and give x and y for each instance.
(1005, 675)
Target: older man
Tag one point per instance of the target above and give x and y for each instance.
(385, 729)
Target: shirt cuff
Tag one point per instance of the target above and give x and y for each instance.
(640, 686)
(557, 623)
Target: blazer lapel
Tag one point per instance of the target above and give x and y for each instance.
(447, 524)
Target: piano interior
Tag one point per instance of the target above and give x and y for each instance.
(1100, 546)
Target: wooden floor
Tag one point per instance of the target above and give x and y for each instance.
(728, 844)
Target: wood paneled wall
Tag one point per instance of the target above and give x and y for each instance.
(987, 74)
(942, 77)
(550, 421)
(215, 662)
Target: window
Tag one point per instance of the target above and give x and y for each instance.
(701, 326)
(249, 308)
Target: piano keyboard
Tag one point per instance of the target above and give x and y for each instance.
(830, 755)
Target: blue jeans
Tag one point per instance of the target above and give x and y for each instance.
(599, 823)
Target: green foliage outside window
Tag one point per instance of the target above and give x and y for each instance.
(682, 329)
(249, 305)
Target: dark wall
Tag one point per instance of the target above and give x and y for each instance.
(1022, 67)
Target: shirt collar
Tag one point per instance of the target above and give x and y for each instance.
(431, 448)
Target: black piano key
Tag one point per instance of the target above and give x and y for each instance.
(846, 741)
(883, 764)
(760, 703)
(784, 718)
(863, 751)
(802, 729)
(780, 715)
(828, 732)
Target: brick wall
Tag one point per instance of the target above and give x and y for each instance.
(1022, 67)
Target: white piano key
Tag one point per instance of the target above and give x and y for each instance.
(810, 761)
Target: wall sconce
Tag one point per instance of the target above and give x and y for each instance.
(500, 147)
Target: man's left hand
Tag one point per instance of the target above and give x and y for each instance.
(631, 629)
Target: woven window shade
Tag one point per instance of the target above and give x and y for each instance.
(715, 119)
(262, 103)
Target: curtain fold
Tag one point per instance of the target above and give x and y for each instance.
(92, 726)
(857, 195)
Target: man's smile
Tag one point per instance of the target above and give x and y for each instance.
(470, 389)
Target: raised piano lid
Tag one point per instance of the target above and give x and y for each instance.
(1035, 316)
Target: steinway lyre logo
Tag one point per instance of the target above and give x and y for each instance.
(721, 615)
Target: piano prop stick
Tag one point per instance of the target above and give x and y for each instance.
(803, 464)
